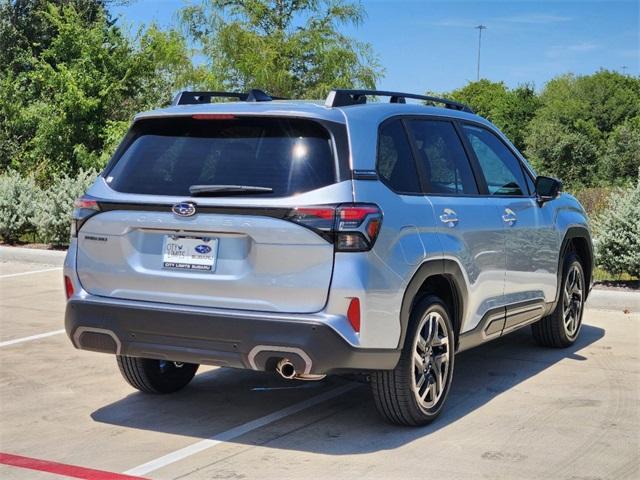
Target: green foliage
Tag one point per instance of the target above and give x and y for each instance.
(292, 48)
(584, 111)
(510, 110)
(618, 241)
(61, 102)
(17, 205)
(25, 33)
(560, 152)
(52, 215)
(622, 152)
(603, 100)
(582, 129)
(484, 96)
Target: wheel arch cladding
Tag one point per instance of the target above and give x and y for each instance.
(576, 239)
(443, 278)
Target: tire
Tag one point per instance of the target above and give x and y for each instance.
(398, 393)
(156, 376)
(561, 328)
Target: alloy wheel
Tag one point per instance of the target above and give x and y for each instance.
(572, 301)
(431, 359)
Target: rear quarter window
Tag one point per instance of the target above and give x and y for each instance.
(166, 156)
(395, 162)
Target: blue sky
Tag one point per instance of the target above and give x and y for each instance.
(432, 45)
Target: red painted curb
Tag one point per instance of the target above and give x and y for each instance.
(61, 468)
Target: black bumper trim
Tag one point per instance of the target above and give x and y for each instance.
(216, 339)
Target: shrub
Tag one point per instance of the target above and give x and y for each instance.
(622, 154)
(594, 199)
(618, 241)
(556, 150)
(17, 204)
(53, 213)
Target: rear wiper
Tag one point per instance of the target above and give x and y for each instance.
(213, 190)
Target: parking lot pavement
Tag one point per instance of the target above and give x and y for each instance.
(515, 410)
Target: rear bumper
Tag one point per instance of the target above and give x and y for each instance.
(236, 339)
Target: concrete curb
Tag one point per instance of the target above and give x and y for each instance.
(618, 300)
(32, 255)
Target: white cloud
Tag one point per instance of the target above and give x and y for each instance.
(454, 22)
(522, 19)
(557, 51)
(535, 18)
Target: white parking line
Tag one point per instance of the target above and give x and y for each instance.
(32, 337)
(29, 273)
(235, 432)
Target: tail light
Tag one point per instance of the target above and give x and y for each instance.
(68, 287)
(351, 227)
(83, 208)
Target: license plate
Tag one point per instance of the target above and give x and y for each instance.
(190, 253)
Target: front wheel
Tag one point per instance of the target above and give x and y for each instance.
(415, 391)
(562, 326)
(156, 376)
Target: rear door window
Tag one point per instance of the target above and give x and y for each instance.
(167, 156)
(445, 162)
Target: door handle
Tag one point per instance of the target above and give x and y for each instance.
(509, 217)
(450, 217)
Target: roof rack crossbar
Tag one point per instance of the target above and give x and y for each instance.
(195, 98)
(345, 97)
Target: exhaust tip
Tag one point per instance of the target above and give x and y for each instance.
(286, 369)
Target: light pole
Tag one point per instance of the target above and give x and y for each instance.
(480, 28)
(624, 70)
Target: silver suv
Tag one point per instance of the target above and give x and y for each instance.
(310, 239)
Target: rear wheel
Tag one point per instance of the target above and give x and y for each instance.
(562, 326)
(414, 392)
(156, 376)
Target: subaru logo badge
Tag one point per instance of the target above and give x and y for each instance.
(184, 209)
(203, 249)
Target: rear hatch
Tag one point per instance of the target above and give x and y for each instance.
(201, 211)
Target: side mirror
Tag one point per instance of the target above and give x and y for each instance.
(547, 188)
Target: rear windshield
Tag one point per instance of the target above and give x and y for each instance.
(167, 156)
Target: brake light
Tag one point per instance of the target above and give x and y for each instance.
(319, 219)
(68, 287)
(83, 208)
(213, 116)
(351, 227)
(86, 202)
(353, 314)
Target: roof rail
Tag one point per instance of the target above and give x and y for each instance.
(194, 98)
(344, 97)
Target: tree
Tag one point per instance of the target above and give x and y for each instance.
(291, 48)
(584, 110)
(510, 110)
(67, 110)
(484, 96)
(556, 150)
(621, 160)
(25, 32)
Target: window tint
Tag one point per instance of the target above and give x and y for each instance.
(445, 161)
(395, 161)
(501, 168)
(169, 155)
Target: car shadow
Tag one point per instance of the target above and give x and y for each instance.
(220, 399)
